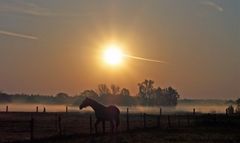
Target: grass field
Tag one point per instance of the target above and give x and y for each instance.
(197, 135)
(190, 135)
(75, 127)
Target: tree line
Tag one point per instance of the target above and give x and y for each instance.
(148, 95)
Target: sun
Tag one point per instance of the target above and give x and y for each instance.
(113, 55)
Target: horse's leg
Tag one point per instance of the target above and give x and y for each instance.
(103, 126)
(112, 125)
(96, 124)
(117, 120)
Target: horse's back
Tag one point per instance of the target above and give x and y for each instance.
(107, 113)
(114, 109)
(112, 112)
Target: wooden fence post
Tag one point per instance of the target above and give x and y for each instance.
(66, 109)
(195, 118)
(59, 125)
(104, 127)
(215, 118)
(127, 120)
(159, 118)
(178, 120)
(56, 122)
(158, 121)
(90, 124)
(37, 109)
(169, 121)
(144, 120)
(7, 108)
(228, 118)
(31, 129)
(44, 109)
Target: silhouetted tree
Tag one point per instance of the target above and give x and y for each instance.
(125, 97)
(62, 95)
(230, 110)
(89, 93)
(125, 92)
(115, 89)
(238, 106)
(147, 95)
(173, 96)
(157, 96)
(146, 91)
(238, 101)
(103, 90)
(4, 97)
(141, 90)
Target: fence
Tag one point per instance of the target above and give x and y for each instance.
(30, 126)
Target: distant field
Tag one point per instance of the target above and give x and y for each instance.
(16, 126)
(181, 107)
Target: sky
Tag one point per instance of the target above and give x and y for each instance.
(55, 46)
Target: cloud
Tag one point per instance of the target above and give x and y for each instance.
(13, 34)
(24, 8)
(33, 9)
(213, 5)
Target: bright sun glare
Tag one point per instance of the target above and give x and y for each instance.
(113, 55)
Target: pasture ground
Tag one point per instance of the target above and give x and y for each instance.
(219, 128)
(192, 135)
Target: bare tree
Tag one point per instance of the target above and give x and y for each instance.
(146, 90)
(103, 90)
(125, 92)
(115, 89)
(89, 93)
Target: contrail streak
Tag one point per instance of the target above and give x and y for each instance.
(213, 5)
(18, 35)
(145, 59)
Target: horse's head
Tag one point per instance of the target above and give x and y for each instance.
(86, 102)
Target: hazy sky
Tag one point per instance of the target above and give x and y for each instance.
(52, 46)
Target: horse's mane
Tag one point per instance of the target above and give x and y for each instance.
(95, 102)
